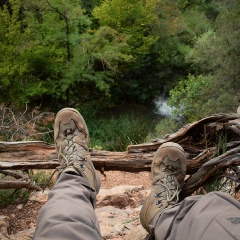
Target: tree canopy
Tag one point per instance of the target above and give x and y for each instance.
(102, 52)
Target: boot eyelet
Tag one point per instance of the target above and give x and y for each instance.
(158, 202)
(82, 166)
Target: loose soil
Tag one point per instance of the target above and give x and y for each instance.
(24, 216)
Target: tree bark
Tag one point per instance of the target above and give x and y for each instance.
(18, 185)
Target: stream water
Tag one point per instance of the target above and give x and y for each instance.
(158, 110)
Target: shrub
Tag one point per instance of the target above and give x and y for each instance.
(116, 134)
(17, 125)
(165, 126)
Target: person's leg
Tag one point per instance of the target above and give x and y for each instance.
(168, 171)
(69, 212)
(213, 216)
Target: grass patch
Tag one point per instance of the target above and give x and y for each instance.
(41, 178)
(165, 126)
(17, 196)
(13, 196)
(116, 134)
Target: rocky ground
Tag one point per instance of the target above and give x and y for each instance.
(118, 204)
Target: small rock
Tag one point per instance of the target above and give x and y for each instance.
(23, 235)
(113, 222)
(4, 224)
(120, 196)
(39, 196)
(138, 233)
(20, 206)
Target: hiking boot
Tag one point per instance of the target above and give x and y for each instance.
(168, 171)
(72, 138)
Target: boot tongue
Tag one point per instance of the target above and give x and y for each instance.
(70, 131)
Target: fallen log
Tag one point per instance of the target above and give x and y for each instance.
(209, 169)
(18, 184)
(41, 155)
(216, 137)
(199, 135)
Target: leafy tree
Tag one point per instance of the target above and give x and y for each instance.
(131, 18)
(214, 57)
(189, 97)
(96, 61)
(152, 27)
(49, 50)
(14, 57)
(217, 53)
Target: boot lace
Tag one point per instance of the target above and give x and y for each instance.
(169, 191)
(67, 162)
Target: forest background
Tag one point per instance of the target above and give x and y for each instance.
(95, 55)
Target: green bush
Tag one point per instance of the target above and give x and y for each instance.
(13, 196)
(115, 134)
(42, 178)
(165, 126)
(189, 97)
(17, 196)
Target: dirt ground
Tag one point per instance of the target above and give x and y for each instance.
(24, 216)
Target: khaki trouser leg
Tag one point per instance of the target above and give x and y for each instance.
(212, 216)
(69, 212)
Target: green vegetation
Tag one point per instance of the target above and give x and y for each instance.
(189, 97)
(214, 56)
(16, 196)
(164, 127)
(13, 196)
(102, 53)
(116, 133)
(105, 52)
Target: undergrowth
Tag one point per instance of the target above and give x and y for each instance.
(115, 134)
(17, 196)
(25, 125)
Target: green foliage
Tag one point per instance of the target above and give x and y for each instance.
(204, 56)
(152, 28)
(197, 23)
(130, 18)
(41, 178)
(16, 196)
(117, 134)
(189, 97)
(164, 127)
(50, 51)
(96, 60)
(221, 143)
(216, 53)
(13, 196)
(74, 52)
